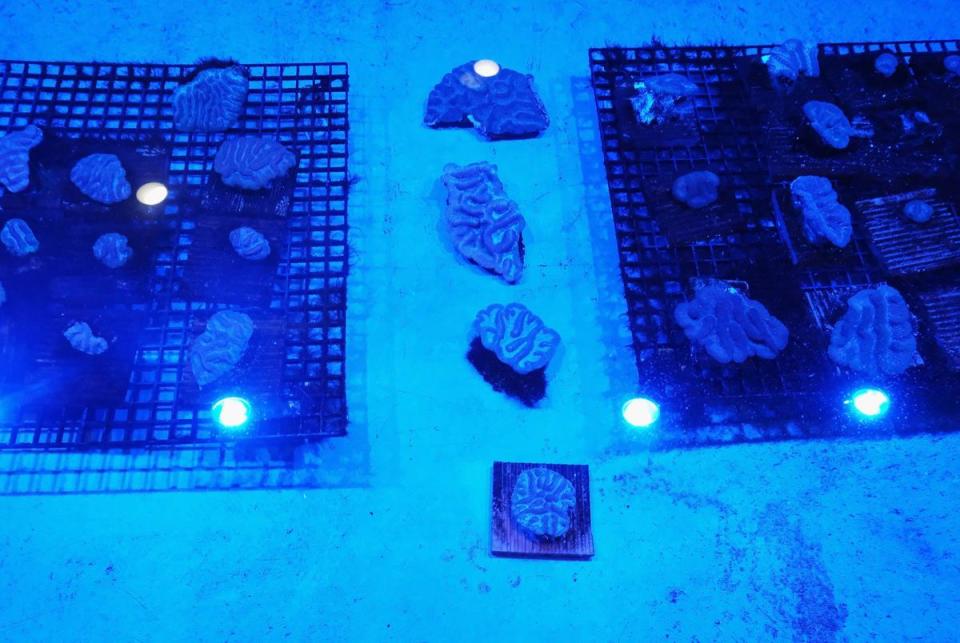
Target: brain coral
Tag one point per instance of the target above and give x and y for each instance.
(485, 225)
(112, 249)
(15, 157)
(517, 336)
(792, 58)
(18, 238)
(251, 162)
(875, 335)
(81, 337)
(249, 243)
(541, 502)
(830, 123)
(730, 326)
(102, 178)
(500, 106)
(824, 217)
(211, 102)
(221, 346)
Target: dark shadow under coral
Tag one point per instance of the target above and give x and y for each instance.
(529, 388)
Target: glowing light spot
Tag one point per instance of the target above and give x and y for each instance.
(641, 412)
(152, 193)
(870, 402)
(486, 68)
(231, 412)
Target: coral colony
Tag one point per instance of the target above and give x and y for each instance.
(251, 162)
(486, 227)
(825, 219)
(102, 178)
(15, 157)
(504, 105)
(541, 502)
(221, 346)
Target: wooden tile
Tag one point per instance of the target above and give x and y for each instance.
(507, 539)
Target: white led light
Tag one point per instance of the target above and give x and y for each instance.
(641, 412)
(486, 68)
(871, 402)
(152, 193)
(231, 412)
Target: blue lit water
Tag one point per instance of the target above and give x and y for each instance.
(814, 541)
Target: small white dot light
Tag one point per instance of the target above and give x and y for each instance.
(641, 412)
(486, 68)
(871, 402)
(232, 412)
(152, 193)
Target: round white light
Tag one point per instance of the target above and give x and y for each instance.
(231, 412)
(641, 412)
(486, 68)
(871, 402)
(152, 193)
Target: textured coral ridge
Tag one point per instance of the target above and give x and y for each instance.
(15, 157)
(730, 326)
(502, 106)
(251, 162)
(541, 502)
(211, 102)
(485, 225)
(875, 335)
(102, 178)
(18, 238)
(221, 346)
(793, 58)
(111, 250)
(249, 244)
(697, 189)
(81, 337)
(824, 217)
(517, 337)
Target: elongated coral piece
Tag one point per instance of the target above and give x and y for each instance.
(730, 326)
(15, 157)
(217, 350)
(81, 337)
(875, 335)
(824, 217)
(486, 226)
(18, 238)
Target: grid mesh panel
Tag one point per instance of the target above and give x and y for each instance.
(305, 107)
(759, 250)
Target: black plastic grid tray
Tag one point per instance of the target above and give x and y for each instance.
(301, 321)
(801, 393)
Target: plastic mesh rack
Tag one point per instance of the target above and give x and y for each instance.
(757, 245)
(144, 396)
